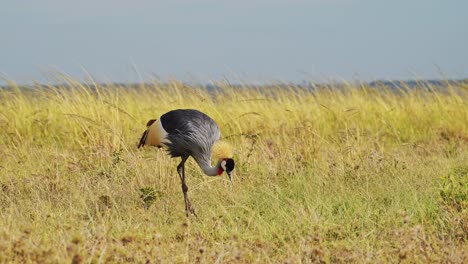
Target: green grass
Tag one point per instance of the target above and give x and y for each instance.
(356, 175)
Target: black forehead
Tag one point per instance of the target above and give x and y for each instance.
(230, 164)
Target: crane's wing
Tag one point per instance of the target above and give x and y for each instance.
(154, 135)
(189, 132)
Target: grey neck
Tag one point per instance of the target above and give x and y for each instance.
(207, 169)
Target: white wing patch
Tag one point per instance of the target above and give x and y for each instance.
(157, 136)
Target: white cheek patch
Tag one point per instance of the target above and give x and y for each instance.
(223, 165)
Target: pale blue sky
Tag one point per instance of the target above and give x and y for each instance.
(252, 40)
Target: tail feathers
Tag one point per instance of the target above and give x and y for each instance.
(143, 139)
(148, 131)
(150, 122)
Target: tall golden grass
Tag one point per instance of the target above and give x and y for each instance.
(330, 175)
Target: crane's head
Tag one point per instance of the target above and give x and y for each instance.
(227, 165)
(222, 151)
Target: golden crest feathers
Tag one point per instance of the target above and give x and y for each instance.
(221, 150)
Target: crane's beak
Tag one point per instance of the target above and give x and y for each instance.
(229, 175)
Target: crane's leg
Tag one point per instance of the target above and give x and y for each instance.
(181, 171)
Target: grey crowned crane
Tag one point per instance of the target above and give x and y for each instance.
(185, 133)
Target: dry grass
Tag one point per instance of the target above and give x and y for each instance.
(351, 175)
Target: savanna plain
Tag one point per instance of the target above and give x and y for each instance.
(338, 173)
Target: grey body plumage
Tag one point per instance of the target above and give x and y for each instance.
(188, 132)
(191, 133)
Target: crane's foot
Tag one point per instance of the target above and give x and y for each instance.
(189, 209)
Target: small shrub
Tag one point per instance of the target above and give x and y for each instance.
(454, 188)
(149, 196)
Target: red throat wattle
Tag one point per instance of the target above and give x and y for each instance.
(220, 170)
